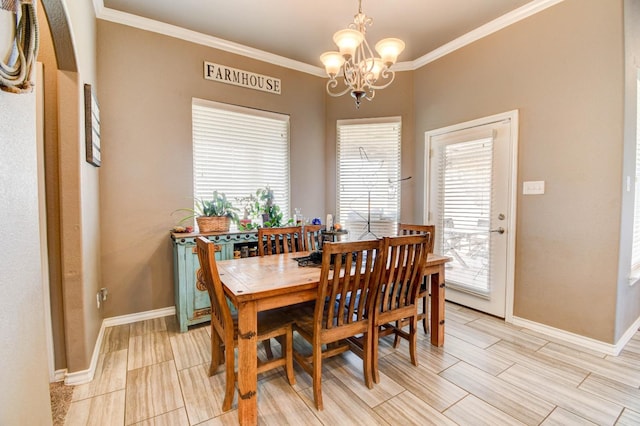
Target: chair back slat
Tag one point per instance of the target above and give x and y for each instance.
(279, 240)
(402, 275)
(410, 229)
(312, 237)
(348, 280)
(208, 276)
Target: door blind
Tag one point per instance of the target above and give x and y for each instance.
(238, 150)
(465, 188)
(368, 173)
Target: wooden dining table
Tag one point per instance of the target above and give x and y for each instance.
(255, 284)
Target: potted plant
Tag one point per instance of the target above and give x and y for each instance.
(266, 206)
(213, 215)
(249, 210)
(262, 205)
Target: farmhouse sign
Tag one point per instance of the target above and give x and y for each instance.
(237, 77)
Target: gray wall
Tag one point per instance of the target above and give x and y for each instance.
(562, 70)
(147, 82)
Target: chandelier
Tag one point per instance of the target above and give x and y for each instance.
(362, 72)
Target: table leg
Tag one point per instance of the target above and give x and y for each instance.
(247, 364)
(437, 307)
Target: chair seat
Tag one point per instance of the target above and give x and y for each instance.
(304, 314)
(269, 322)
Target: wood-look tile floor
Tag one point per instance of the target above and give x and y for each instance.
(487, 373)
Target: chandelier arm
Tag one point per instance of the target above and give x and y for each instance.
(385, 74)
(350, 74)
(363, 64)
(371, 96)
(367, 54)
(332, 84)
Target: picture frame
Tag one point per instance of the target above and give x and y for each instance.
(92, 127)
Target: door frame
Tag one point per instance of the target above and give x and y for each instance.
(512, 191)
(42, 220)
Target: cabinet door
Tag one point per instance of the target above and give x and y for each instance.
(199, 303)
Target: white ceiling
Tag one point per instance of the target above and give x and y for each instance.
(301, 30)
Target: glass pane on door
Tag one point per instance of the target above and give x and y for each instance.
(464, 204)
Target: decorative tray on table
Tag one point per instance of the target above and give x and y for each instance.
(313, 259)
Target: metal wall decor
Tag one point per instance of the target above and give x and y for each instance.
(92, 127)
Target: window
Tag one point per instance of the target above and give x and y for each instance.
(237, 150)
(635, 251)
(368, 174)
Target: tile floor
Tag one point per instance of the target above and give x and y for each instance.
(488, 373)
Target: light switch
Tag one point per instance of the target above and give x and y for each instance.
(533, 187)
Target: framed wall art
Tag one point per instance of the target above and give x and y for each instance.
(91, 127)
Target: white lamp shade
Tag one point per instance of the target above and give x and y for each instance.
(372, 66)
(389, 49)
(348, 41)
(332, 62)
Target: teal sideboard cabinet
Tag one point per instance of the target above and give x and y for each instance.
(191, 298)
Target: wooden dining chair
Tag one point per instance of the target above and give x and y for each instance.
(224, 327)
(396, 303)
(409, 229)
(313, 237)
(340, 320)
(280, 240)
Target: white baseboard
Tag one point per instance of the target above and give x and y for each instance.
(576, 339)
(628, 335)
(59, 375)
(140, 316)
(85, 376)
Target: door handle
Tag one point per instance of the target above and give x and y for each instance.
(500, 230)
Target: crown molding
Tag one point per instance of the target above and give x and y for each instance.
(202, 39)
(260, 55)
(485, 30)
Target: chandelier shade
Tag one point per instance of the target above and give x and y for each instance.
(348, 41)
(389, 49)
(355, 63)
(332, 62)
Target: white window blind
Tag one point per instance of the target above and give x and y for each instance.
(464, 204)
(635, 252)
(237, 150)
(368, 173)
